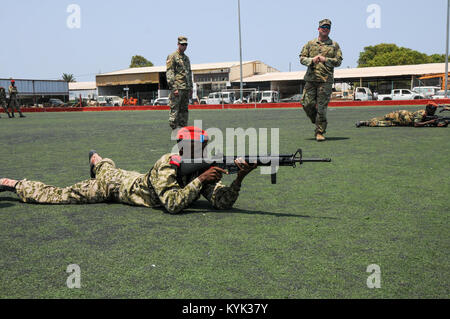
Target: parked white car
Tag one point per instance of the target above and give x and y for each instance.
(161, 101)
(109, 100)
(220, 98)
(363, 94)
(264, 97)
(238, 101)
(400, 94)
(441, 95)
(427, 91)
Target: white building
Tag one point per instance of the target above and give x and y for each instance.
(87, 90)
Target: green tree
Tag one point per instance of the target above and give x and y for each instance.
(437, 58)
(139, 61)
(385, 54)
(68, 77)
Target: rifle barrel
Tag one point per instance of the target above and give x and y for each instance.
(306, 160)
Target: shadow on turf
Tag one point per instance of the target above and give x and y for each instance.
(203, 207)
(8, 199)
(199, 207)
(331, 138)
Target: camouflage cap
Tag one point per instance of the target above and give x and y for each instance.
(182, 40)
(325, 22)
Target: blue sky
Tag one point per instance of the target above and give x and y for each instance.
(38, 44)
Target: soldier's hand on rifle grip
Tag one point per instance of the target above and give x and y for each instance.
(212, 175)
(244, 167)
(175, 92)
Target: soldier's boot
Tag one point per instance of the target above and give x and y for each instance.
(94, 158)
(361, 123)
(8, 185)
(21, 115)
(320, 137)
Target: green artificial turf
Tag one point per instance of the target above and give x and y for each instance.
(382, 200)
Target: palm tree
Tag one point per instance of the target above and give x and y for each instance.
(68, 77)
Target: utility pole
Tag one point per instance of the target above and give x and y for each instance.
(240, 48)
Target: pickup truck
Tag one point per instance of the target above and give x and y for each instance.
(400, 94)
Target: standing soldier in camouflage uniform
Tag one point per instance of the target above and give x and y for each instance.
(321, 56)
(179, 79)
(3, 102)
(162, 186)
(406, 118)
(13, 103)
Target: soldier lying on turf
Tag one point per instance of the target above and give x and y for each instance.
(161, 186)
(406, 118)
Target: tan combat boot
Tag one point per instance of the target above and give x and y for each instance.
(320, 137)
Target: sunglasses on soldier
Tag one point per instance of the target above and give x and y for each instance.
(326, 26)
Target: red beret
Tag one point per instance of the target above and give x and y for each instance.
(192, 133)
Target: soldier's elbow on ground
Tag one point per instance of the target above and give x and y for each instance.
(173, 210)
(222, 206)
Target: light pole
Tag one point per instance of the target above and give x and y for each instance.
(446, 50)
(240, 47)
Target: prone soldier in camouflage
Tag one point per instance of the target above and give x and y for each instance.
(13, 102)
(162, 186)
(3, 102)
(405, 118)
(179, 79)
(321, 56)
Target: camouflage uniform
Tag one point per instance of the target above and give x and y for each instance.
(159, 187)
(3, 102)
(397, 118)
(179, 77)
(319, 78)
(13, 103)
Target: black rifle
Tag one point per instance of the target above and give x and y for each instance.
(188, 167)
(443, 110)
(438, 119)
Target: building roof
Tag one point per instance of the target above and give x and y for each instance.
(276, 76)
(194, 67)
(76, 86)
(371, 72)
